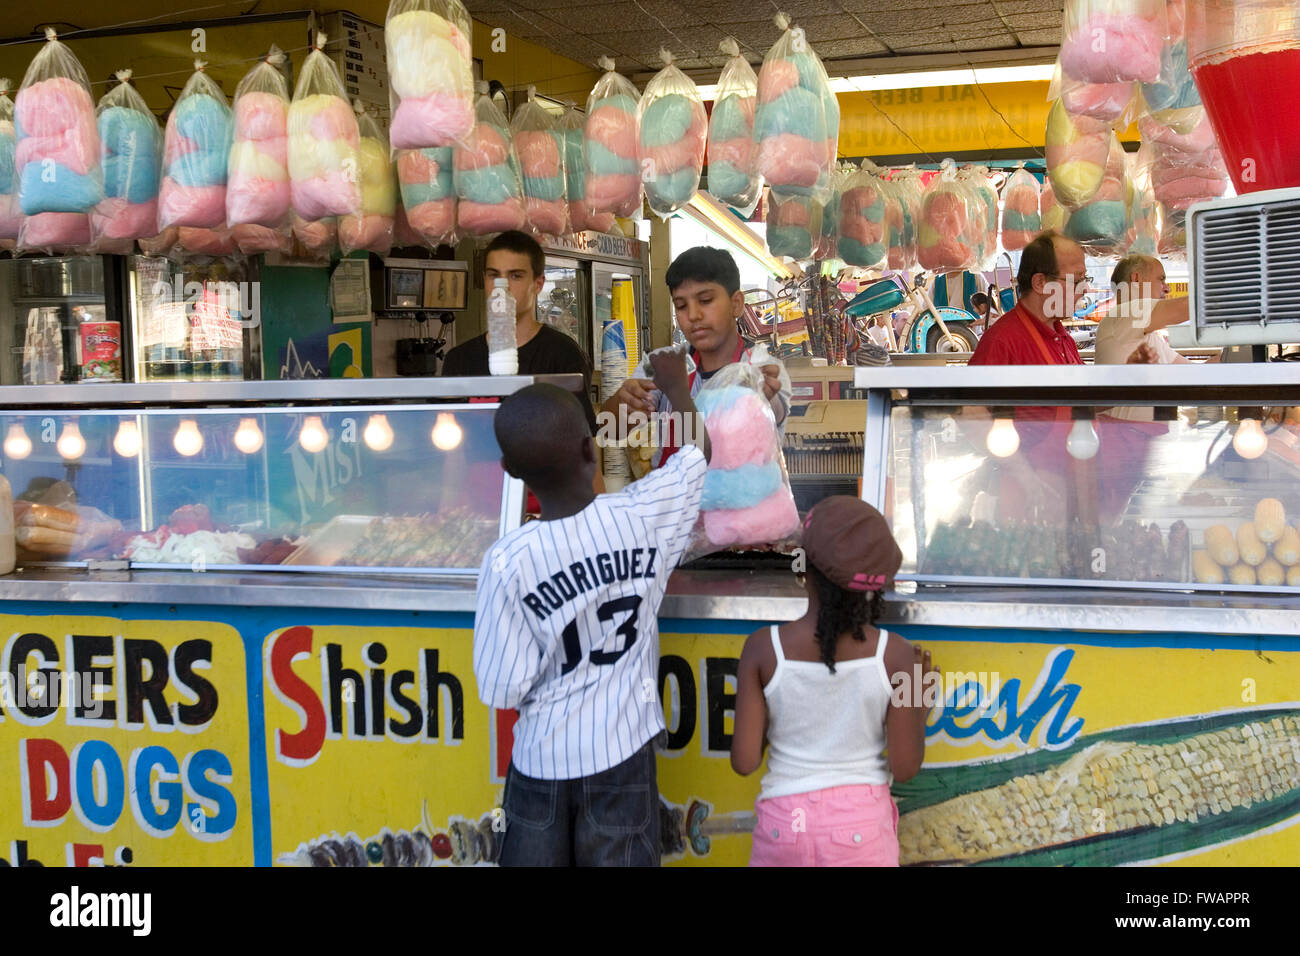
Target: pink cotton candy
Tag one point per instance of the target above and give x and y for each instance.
(737, 152)
(118, 219)
(946, 212)
(50, 107)
(199, 207)
(414, 167)
(772, 519)
(1200, 138)
(482, 219)
(683, 154)
(335, 194)
(539, 153)
(948, 253)
(318, 236)
(9, 221)
(550, 217)
(487, 147)
(582, 218)
(252, 239)
(335, 121)
(261, 116)
(615, 129)
(55, 231)
(619, 193)
(371, 233)
(175, 146)
(791, 212)
(1101, 101)
(207, 242)
(789, 160)
(863, 230)
(256, 201)
(76, 149)
(1110, 48)
(742, 435)
(439, 119)
(776, 78)
(433, 221)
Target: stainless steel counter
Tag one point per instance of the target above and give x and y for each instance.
(717, 595)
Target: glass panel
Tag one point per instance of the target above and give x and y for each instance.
(53, 324)
(1208, 498)
(561, 303)
(406, 487)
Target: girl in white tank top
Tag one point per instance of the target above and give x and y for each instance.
(817, 693)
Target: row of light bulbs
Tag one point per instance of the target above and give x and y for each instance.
(1082, 443)
(188, 440)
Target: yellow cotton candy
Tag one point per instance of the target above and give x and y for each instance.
(309, 156)
(928, 236)
(1055, 218)
(1181, 121)
(1077, 181)
(1060, 130)
(249, 162)
(378, 184)
(424, 55)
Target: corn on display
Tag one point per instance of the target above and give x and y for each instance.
(1253, 553)
(1117, 788)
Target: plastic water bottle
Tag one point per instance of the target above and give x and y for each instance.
(503, 352)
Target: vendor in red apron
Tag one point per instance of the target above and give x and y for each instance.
(705, 288)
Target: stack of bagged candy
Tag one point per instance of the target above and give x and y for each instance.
(489, 189)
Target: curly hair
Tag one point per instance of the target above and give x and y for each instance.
(840, 610)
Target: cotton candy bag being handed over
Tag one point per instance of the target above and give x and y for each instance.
(1113, 41)
(790, 124)
(733, 155)
(540, 146)
(324, 178)
(196, 156)
(489, 189)
(673, 131)
(747, 498)
(131, 144)
(430, 73)
(257, 190)
(581, 216)
(371, 229)
(10, 215)
(1021, 220)
(611, 146)
(56, 159)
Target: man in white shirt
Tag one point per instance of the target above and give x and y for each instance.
(1140, 316)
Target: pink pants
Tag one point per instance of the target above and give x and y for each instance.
(838, 826)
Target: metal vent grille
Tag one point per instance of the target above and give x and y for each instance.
(1246, 273)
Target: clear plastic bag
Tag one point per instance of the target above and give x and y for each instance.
(1021, 219)
(790, 124)
(540, 145)
(1113, 103)
(56, 156)
(610, 146)
(196, 156)
(1054, 215)
(324, 140)
(747, 499)
(827, 238)
(672, 130)
(984, 220)
(430, 73)
(10, 214)
(1145, 217)
(424, 178)
(733, 158)
(1101, 223)
(1112, 41)
(257, 188)
(860, 236)
(316, 239)
(1077, 147)
(906, 187)
(371, 229)
(581, 216)
(793, 222)
(206, 242)
(949, 211)
(131, 144)
(489, 188)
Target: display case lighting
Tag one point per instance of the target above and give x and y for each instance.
(188, 440)
(446, 433)
(127, 442)
(71, 446)
(1250, 440)
(248, 437)
(1083, 442)
(17, 444)
(312, 436)
(1003, 440)
(378, 434)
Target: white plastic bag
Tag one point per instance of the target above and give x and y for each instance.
(489, 188)
(131, 149)
(540, 145)
(611, 146)
(733, 157)
(673, 130)
(196, 156)
(430, 73)
(371, 229)
(324, 176)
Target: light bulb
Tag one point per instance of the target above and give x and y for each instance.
(248, 437)
(1003, 438)
(17, 444)
(446, 433)
(127, 440)
(312, 436)
(70, 444)
(188, 440)
(1250, 440)
(1082, 442)
(378, 435)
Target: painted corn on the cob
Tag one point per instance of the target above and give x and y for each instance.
(1119, 789)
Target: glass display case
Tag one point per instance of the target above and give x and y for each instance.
(1189, 484)
(378, 479)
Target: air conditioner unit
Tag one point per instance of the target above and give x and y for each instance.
(1243, 258)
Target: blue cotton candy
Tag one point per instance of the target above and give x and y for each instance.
(1019, 221)
(792, 241)
(810, 75)
(725, 180)
(729, 120)
(875, 212)
(199, 169)
(604, 162)
(1098, 222)
(205, 120)
(1176, 89)
(547, 188)
(132, 145)
(666, 120)
(7, 146)
(491, 186)
(711, 401)
(796, 111)
(575, 168)
(855, 253)
(443, 157)
(619, 101)
(741, 487)
(672, 188)
(69, 191)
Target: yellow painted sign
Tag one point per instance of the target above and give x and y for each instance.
(124, 742)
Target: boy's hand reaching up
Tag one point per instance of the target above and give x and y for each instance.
(670, 370)
(771, 380)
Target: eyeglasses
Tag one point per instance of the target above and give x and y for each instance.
(1079, 280)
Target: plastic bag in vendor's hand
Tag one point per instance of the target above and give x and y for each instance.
(611, 146)
(371, 229)
(489, 189)
(324, 174)
(131, 149)
(673, 130)
(196, 156)
(430, 73)
(257, 190)
(540, 145)
(747, 500)
(733, 155)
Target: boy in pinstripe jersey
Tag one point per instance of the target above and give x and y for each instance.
(566, 631)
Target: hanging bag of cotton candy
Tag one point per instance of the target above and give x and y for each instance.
(747, 499)
(131, 143)
(733, 155)
(324, 175)
(983, 234)
(906, 185)
(1021, 220)
(257, 188)
(1113, 41)
(1076, 148)
(791, 123)
(56, 156)
(430, 73)
(1145, 217)
(611, 146)
(581, 216)
(1101, 223)
(944, 233)
(1053, 214)
(1111, 103)
(861, 239)
(424, 179)
(489, 187)
(196, 156)
(673, 131)
(540, 145)
(10, 214)
(794, 224)
(371, 229)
